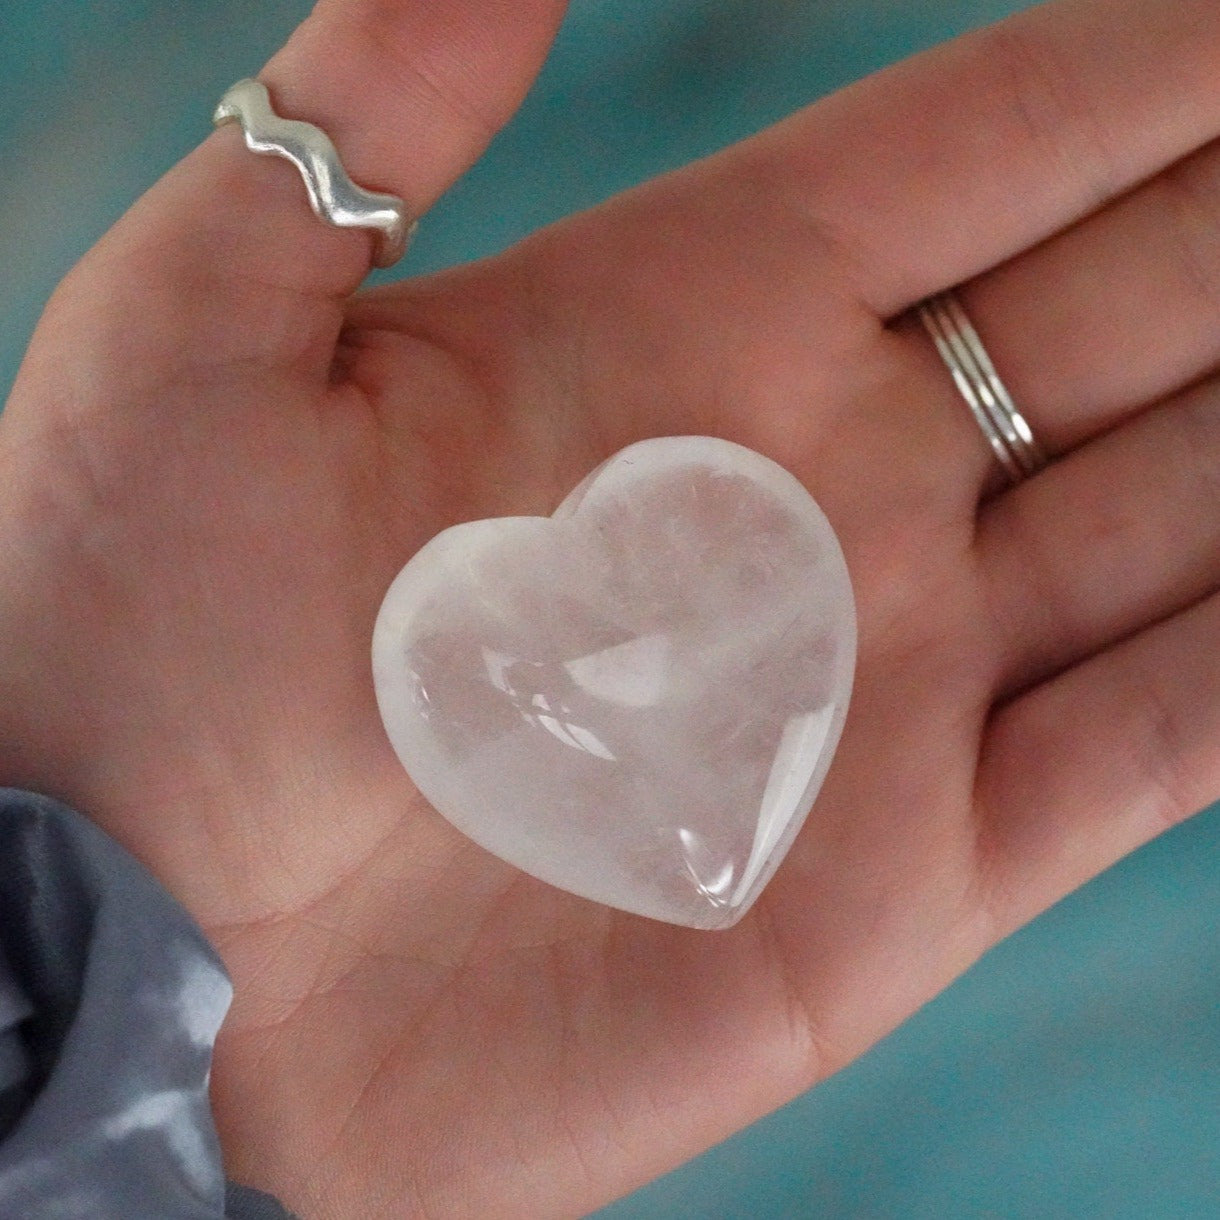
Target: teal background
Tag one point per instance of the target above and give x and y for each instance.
(1076, 1071)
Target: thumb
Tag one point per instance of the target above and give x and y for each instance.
(223, 260)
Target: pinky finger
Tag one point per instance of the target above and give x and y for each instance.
(1079, 772)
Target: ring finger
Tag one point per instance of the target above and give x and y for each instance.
(1117, 312)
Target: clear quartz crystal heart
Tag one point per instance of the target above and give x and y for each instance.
(637, 698)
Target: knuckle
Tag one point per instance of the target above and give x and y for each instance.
(1052, 114)
(1191, 193)
(1198, 452)
(1168, 790)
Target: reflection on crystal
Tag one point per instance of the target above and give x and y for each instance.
(637, 698)
(422, 699)
(697, 858)
(506, 673)
(574, 735)
(632, 674)
(804, 737)
(497, 665)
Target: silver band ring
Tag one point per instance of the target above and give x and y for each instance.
(333, 196)
(1006, 429)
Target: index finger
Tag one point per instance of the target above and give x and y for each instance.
(940, 167)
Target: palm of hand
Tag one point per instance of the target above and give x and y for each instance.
(364, 933)
(208, 561)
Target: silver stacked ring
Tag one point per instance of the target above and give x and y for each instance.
(1006, 429)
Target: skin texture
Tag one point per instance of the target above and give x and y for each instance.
(217, 457)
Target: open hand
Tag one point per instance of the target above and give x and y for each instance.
(218, 454)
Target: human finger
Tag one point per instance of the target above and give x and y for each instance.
(223, 261)
(1084, 769)
(938, 168)
(1123, 532)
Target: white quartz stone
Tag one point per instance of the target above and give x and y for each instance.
(637, 698)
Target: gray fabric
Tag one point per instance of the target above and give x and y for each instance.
(110, 999)
(15, 1009)
(15, 1064)
(246, 1203)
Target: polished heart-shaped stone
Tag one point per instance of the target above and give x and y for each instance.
(637, 698)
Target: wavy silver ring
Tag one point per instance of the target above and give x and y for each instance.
(333, 196)
(1006, 429)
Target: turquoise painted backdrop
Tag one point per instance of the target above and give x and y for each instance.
(1076, 1071)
